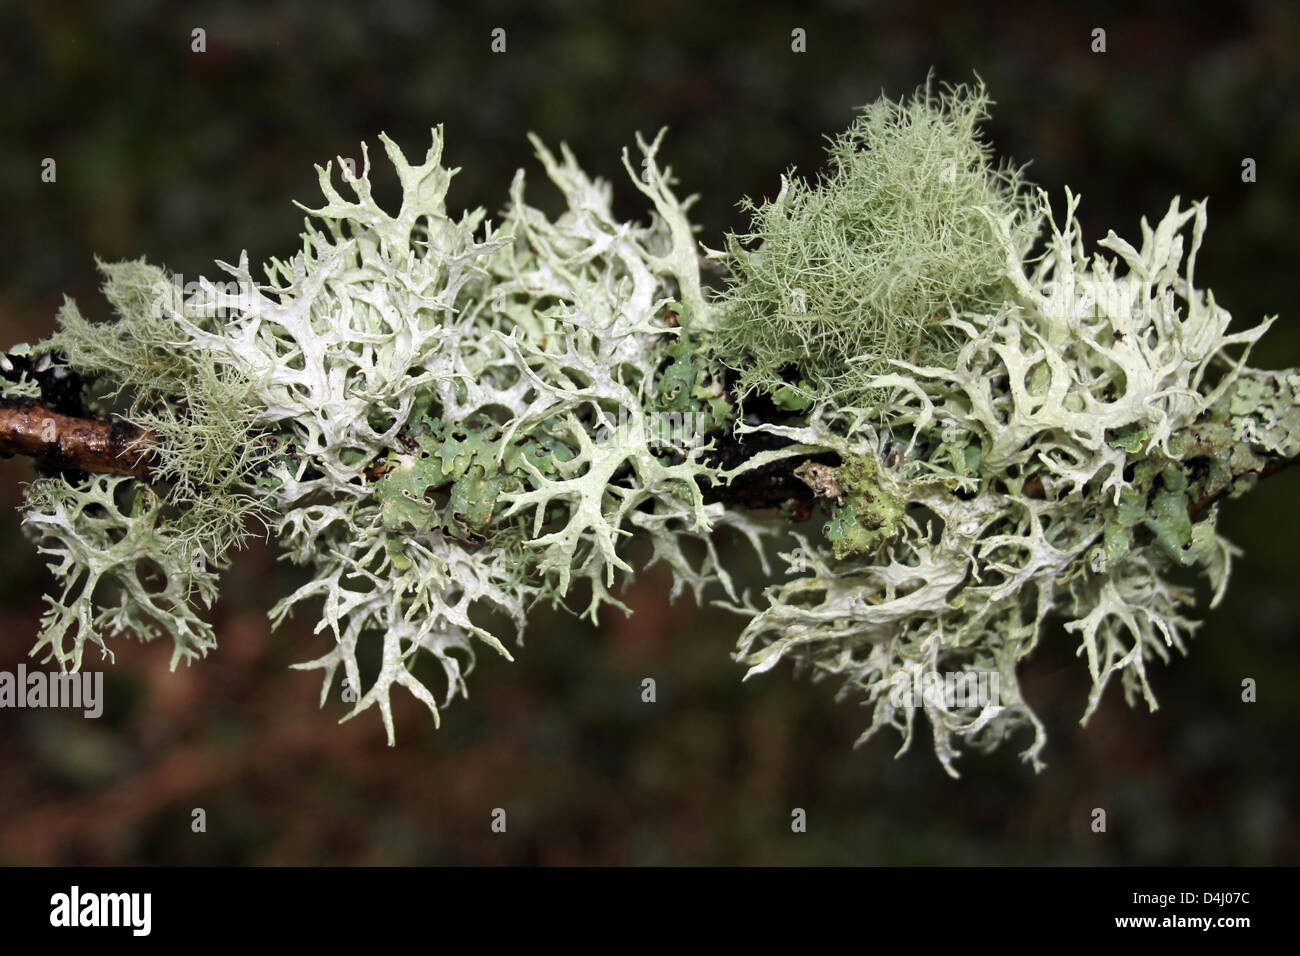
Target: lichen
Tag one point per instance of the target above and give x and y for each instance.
(440, 417)
(113, 542)
(841, 276)
(16, 382)
(1047, 471)
(449, 420)
(865, 513)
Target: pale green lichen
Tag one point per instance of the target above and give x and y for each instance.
(17, 384)
(121, 567)
(199, 411)
(866, 513)
(1085, 384)
(841, 276)
(448, 420)
(445, 417)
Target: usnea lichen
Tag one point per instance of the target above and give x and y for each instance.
(841, 276)
(448, 420)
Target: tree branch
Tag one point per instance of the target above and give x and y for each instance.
(61, 442)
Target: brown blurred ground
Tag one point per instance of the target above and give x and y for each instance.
(186, 158)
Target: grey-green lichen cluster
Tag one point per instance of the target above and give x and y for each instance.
(866, 263)
(1048, 472)
(444, 419)
(448, 420)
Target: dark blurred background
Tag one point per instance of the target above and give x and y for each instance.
(187, 157)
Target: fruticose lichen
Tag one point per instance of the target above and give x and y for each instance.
(1045, 472)
(449, 420)
(867, 262)
(444, 417)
